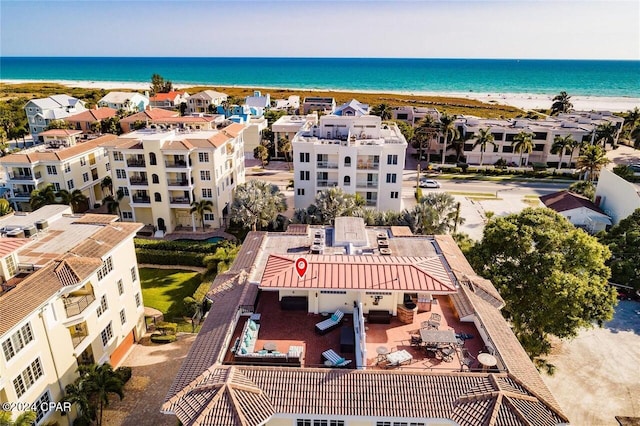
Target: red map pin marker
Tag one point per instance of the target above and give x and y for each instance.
(301, 267)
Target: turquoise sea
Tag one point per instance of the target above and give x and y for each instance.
(577, 77)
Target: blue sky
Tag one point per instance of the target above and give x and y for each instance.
(578, 29)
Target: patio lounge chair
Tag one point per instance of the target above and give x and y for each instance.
(330, 323)
(335, 359)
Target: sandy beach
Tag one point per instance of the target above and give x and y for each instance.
(519, 100)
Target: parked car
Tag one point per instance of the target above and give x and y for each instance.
(429, 183)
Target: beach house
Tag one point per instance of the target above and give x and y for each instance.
(579, 210)
(319, 104)
(205, 101)
(347, 325)
(617, 197)
(352, 108)
(169, 100)
(361, 155)
(126, 101)
(85, 121)
(70, 296)
(62, 163)
(160, 173)
(41, 112)
(413, 115)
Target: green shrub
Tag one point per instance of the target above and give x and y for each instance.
(202, 291)
(159, 338)
(187, 246)
(167, 327)
(190, 306)
(463, 167)
(165, 257)
(124, 373)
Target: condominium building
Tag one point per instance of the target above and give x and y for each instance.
(161, 173)
(318, 104)
(41, 112)
(580, 125)
(361, 155)
(287, 126)
(413, 115)
(205, 101)
(127, 101)
(61, 162)
(263, 355)
(169, 100)
(70, 296)
(171, 120)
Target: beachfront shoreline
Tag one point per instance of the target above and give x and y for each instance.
(519, 100)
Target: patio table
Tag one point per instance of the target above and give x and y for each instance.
(438, 337)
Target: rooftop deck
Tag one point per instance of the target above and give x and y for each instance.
(297, 328)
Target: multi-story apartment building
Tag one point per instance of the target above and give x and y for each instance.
(41, 112)
(80, 166)
(361, 155)
(164, 119)
(315, 104)
(162, 172)
(287, 126)
(412, 115)
(70, 295)
(127, 101)
(580, 125)
(205, 101)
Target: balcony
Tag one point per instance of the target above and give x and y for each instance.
(368, 165)
(78, 333)
(371, 202)
(175, 164)
(74, 305)
(134, 180)
(18, 194)
(179, 200)
(327, 183)
(141, 199)
(326, 165)
(25, 176)
(367, 184)
(136, 163)
(180, 182)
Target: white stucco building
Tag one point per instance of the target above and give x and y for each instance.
(41, 112)
(617, 197)
(358, 154)
(127, 101)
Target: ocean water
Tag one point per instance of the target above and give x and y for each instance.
(577, 77)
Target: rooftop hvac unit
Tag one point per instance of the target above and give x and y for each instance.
(316, 249)
(16, 233)
(383, 243)
(29, 231)
(41, 225)
(385, 251)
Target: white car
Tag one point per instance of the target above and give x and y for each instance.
(429, 183)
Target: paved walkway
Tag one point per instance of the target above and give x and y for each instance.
(154, 368)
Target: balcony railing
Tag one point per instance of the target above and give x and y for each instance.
(25, 176)
(18, 194)
(326, 165)
(178, 182)
(77, 336)
(368, 166)
(371, 203)
(141, 199)
(75, 305)
(176, 164)
(139, 181)
(327, 183)
(367, 184)
(179, 200)
(136, 163)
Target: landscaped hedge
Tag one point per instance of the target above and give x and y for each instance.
(187, 246)
(165, 257)
(159, 338)
(124, 373)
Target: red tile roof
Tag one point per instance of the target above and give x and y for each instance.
(377, 273)
(93, 115)
(58, 155)
(564, 200)
(149, 114)
(9, 245)
(60, 132)
(169, 96)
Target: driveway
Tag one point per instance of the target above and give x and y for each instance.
(154, 368)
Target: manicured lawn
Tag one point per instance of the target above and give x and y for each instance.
(164, 289)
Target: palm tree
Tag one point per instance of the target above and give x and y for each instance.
(574, 144)
(334, 202)
(523, 142)
(606, 133)
(447, 128)
(382, 110)
(75, 199)
(5, 207)
(26, 418)
(285, 148)
(592, 159)
(635, 137)
(560, 145)
(423, 136)
(107, 183)
(256, 204)
(561, 103)
(261, 153)
(42, 197)
(113, 203)
(200, 208)
(77, 393)
(631, 120)
(484, 138)
(223, 257)
(102, 381)
(458, 144)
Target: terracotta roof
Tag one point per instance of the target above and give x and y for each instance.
(234, 129)
(359, 273)
(149, 114)
(564, 200)
(93, 115)
(58, 155)
(401, 231)
(297, 229)
(169, 96)
(37, 288)
(9, 245)
(60, 132)
(183, 145)
(467, 398)
(103, 241)
(186, 119)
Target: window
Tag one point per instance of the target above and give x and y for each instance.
(123, 317)
(391, 178)
(12, 268)
(347, 161)
(107, 266)
(347, 180)
(83, 161)
(56, 186)
(103, 306)
(120, 287)
(17, 341)
(304, 175)
(152, 159)
(28, 377)
(154, 178)
(52, 170)
(127, 215)
(124, 189)
(206, 193)
(134, 274)
(107, 166)
(70, 184)
(138, 301)
(121, 174)
(42, 406)
(205, 175)
(157, 197)
(309, 422)
(392, 159)
(208, 217)
(300, 191)
(333, 292)
(106, 334)
(394, 194)
(117, 156)
(85, 177)
(67, 167)
(304, 157)
(203, 157)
